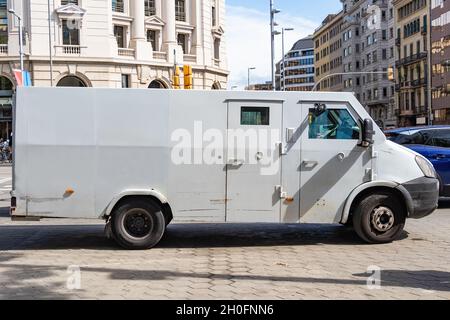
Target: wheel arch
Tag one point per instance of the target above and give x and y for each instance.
(372, 187)
(150, 194)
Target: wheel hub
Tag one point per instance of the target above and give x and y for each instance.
(137, 223)
(383, 219)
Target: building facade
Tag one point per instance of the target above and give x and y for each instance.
(440, 50)
(328, 53)
(266, 86)
(368, 51)
(298, 74)
(412, 24)
(115, 43)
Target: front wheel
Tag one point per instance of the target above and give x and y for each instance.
(138, 224)
(379, 218)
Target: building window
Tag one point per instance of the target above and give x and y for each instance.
(152, 37)
(182, 41)
(118, 6)
(64, 2)
(119, 33)
(217, 49)
(125, 81)
(214, 15)
(150, 8)
(3, 22)
(71, 33)
(180, 10)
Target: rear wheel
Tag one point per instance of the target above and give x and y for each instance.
(379, 218)
(138, 224)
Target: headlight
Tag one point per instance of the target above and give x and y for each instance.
(426, 167)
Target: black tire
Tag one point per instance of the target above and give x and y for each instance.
(138, 224)
(379, 218)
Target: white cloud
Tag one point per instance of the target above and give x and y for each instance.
(248, 41)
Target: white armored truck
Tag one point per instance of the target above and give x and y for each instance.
(139, 159)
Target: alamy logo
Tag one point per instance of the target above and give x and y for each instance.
(232, 147)
(374, 16)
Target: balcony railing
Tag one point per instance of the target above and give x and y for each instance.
(3, 49)
(411, 59)
(398, 41)
(71, 50)
(126, 52)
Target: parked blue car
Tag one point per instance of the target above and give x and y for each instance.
(433, 142)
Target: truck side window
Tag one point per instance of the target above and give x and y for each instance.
(255, 116)
(335, 124)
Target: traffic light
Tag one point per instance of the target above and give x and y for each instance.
(176, 78)
(188, 77)
(391, 74)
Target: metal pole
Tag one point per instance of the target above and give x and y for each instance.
(272, 42)
(50, 53)
(20, 42)
(248, 79)
(428, 69)
(283, 73)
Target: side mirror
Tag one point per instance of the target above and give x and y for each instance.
(319, 109)
(367, 133)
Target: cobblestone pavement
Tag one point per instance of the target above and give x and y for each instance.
(40, 260)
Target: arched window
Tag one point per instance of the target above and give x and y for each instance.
(71, 81)
(5, 84)
(157, 84)
(216, 86)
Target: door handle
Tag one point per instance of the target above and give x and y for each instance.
(309, 163)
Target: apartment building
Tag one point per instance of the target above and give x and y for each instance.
(368, 41)
(115, 43)
(298, 74)
(440, 50)
(328, 53)
(412, 24)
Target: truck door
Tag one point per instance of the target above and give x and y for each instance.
(253, 161)
(332, 163)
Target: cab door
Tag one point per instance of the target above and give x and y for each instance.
(332, 163)
(253, 161)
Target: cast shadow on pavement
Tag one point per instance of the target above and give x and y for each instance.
(43, 236)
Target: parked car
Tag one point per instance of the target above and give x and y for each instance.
(433, 142)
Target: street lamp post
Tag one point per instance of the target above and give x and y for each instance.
(248, 76)
(19, 18)
(273, 33)
(283, 30)
(50, 42)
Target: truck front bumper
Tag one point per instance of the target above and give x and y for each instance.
(422, 196)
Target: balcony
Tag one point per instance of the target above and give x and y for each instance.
(411, 59)
(126, 52)
(3, 49)
(71, 50)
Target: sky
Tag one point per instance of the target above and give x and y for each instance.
(248, 33)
